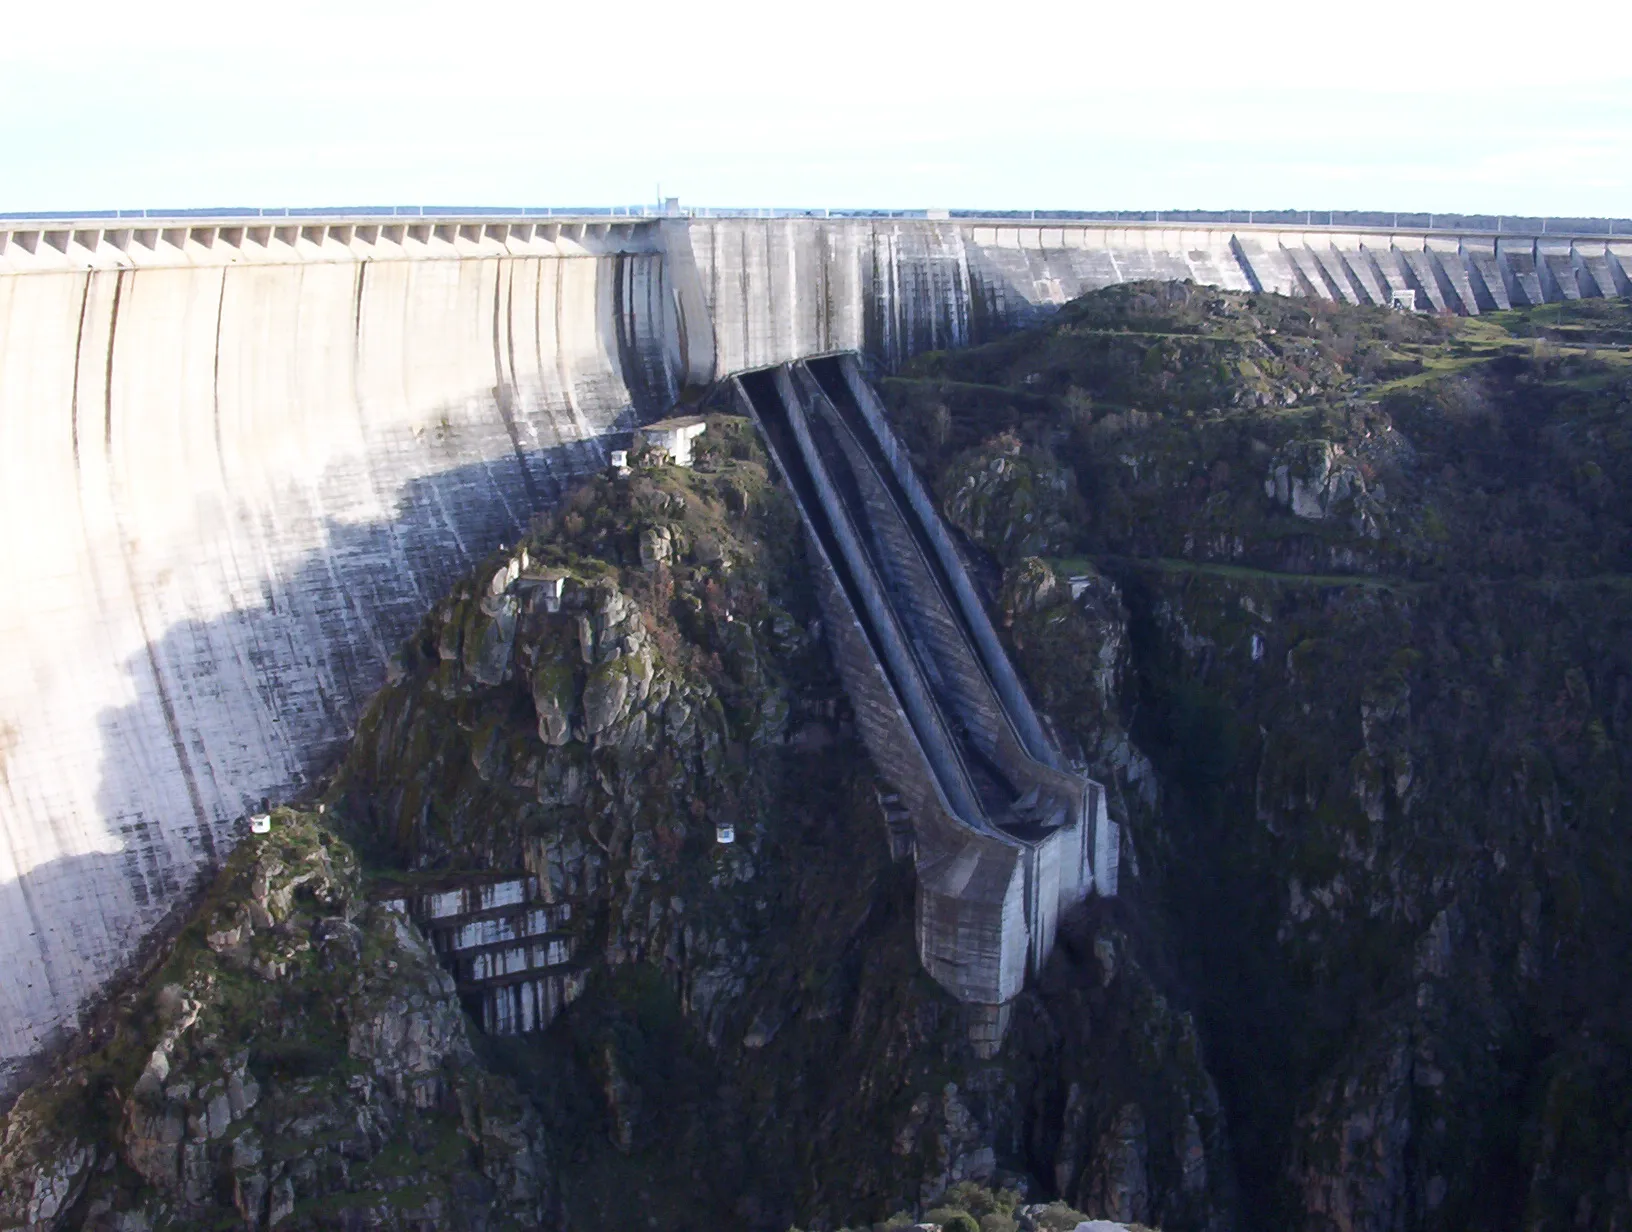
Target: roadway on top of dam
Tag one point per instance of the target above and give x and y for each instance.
(1422, 261)
(1329, 219)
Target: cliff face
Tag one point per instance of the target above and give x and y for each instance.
(756, 1041)
(299, 1060)
(1333, 601)
(1381, 661)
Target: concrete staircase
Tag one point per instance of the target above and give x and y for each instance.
(506, 948)
(1004, 836)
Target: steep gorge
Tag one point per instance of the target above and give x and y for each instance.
(1332, 599)
(1376, 568)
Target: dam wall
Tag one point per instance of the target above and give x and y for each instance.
(778, 289)
(239, 457)
(235, 474)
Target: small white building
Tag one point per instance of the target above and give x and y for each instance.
(674, 436)
(725, 832)
(260, 823)
(620, 461)
(553, 586)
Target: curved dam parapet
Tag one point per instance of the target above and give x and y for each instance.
(240, 456)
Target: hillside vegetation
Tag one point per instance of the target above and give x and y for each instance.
(1334, 600)
(1376, 570)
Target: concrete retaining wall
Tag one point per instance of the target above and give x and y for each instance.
(508, 950)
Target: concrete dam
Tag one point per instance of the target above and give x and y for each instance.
(241, 455)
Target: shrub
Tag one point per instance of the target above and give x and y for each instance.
(980, 1201)
(1058, 1217)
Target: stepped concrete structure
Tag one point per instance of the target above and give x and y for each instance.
(240, 455)
(507, 947)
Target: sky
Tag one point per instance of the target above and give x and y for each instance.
(1423, 105)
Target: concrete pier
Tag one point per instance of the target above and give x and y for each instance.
(239, 456)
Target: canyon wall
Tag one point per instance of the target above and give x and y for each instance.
(240, 457)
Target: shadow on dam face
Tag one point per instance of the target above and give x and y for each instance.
(250, 703)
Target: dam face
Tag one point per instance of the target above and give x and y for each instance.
(239, 458)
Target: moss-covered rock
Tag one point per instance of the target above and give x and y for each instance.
(1378, 658)
(300, 1060)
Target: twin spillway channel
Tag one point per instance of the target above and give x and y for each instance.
(1005, 836)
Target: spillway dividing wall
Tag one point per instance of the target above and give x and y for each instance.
(1001, 835)
(240, 456)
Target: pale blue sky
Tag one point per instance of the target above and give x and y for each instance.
(1420, 105)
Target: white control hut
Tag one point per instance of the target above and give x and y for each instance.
(674, 436)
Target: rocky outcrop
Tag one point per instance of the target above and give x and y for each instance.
(300, 1061)
(1120, 1187)
(45, 1166)
(1377, 658)
(1317, 480)
(1012, 501)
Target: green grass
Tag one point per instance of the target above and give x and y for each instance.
(1240, 573)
